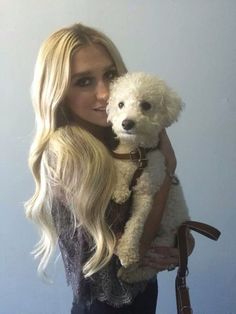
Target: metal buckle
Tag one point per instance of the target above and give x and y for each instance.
(182, 282)
(132, 155)
(141, 159)
(142, 163)
(186, 307)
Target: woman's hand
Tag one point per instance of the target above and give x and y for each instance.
(161, 258)
(165, 258)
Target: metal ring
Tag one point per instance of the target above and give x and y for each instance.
(171, 267)
(174, 178)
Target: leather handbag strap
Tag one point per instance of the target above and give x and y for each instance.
(182, 291)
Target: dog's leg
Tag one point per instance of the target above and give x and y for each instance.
(135, 273)
(128, 246)
(122, 192)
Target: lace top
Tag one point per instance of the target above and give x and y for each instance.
(103, 285)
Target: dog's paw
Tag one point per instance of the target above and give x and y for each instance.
(128, 275)
(135, 273)
(127, 251)
(121, 196)
(127, 257)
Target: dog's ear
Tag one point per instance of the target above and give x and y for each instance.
(172, 104)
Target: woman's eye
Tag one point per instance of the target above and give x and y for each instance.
(111, 75)
(83, 82)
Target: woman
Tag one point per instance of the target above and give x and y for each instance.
(74, 175)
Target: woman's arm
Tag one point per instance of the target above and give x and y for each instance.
(152, 223)
(161, 258)
(154, 218)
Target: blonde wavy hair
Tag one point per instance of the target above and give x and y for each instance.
(67, 161)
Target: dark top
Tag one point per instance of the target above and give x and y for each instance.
(74, 246)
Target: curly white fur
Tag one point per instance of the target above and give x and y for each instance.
(140, 106)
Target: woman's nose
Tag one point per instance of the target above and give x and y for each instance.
(102, 91)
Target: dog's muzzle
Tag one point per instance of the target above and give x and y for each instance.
(128, 124)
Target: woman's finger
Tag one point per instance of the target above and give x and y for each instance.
(163, 251)
(161, 258)
(161, 261)
(160, 264)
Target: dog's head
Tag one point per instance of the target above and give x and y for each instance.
(140, 106)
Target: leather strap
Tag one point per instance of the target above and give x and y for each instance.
(138, 155)
(134, 155)
(182, 291)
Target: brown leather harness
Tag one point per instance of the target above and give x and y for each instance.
(138, 155)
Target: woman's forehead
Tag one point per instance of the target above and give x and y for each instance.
(89, 58)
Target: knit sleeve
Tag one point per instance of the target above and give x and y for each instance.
(104, 285)
(74, 249)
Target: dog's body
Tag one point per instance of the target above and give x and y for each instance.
(140, 106)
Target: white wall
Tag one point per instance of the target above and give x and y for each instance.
(191, 44)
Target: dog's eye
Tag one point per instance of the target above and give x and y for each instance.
(121, 104)
(145, 105)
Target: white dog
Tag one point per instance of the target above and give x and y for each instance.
(139, 107)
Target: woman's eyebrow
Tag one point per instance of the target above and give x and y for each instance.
(79, 74)
(89, 72)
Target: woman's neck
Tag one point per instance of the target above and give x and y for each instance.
(103, 134)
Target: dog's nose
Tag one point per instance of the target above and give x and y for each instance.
(128, 124)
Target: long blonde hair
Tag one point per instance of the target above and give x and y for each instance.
(64, 158)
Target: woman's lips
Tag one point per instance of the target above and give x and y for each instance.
(102, 109)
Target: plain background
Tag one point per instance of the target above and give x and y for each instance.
(191, 44)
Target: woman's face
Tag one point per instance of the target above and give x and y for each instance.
(92, 70)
